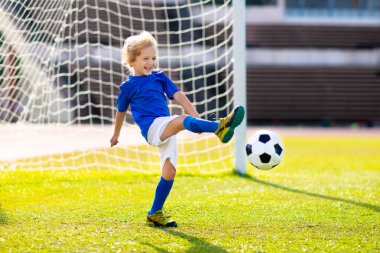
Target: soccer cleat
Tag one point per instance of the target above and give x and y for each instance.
(228, 124)
(160, 219)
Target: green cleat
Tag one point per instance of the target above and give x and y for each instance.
(228, 124)
(160, 219)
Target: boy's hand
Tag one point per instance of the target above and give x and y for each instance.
(114, 141)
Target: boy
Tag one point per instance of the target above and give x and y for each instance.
(144, 91)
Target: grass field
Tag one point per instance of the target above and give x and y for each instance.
(324, 197)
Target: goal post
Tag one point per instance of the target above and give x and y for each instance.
(60, 71)
(240, 81)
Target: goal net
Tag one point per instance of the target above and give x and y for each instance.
(60, 71)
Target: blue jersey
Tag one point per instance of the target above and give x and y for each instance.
(146, 95)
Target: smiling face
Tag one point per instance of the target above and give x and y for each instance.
(145, 62)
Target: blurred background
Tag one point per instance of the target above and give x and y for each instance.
(309, 62)
(313, 62)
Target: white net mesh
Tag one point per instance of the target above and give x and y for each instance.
(60, 71)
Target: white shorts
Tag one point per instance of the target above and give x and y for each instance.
(168, 147)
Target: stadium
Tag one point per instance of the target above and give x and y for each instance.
(307, 70)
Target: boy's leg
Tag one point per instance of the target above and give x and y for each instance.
(156, 214)
(224, 128)
(168, 156)
(190, 123)
(164, 186)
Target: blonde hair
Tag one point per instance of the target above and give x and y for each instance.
(133, 46)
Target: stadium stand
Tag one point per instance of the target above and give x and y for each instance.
(312, 94)
(315, 36)
(309, 36)
(288, 94)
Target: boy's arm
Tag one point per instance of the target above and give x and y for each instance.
(118, 124)
(181, 98)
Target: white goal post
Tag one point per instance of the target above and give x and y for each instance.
(240, 81)
(60, 69)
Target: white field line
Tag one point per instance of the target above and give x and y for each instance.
(23, 141)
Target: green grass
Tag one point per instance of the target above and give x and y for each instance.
(324, 197)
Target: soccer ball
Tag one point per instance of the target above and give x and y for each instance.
(264, 150)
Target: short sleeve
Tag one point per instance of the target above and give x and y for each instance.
(169, 87)
(122, 101)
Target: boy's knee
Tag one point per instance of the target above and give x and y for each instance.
(183, 116)
(168, 170)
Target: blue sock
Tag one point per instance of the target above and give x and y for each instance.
(199, 125)
(162, 192)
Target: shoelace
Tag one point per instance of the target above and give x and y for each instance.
(163, 216)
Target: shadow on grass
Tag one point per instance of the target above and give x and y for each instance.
(158, 249)
(198, 245)
(356, 203)
(3, 217)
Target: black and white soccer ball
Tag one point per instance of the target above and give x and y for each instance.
(264, 150)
